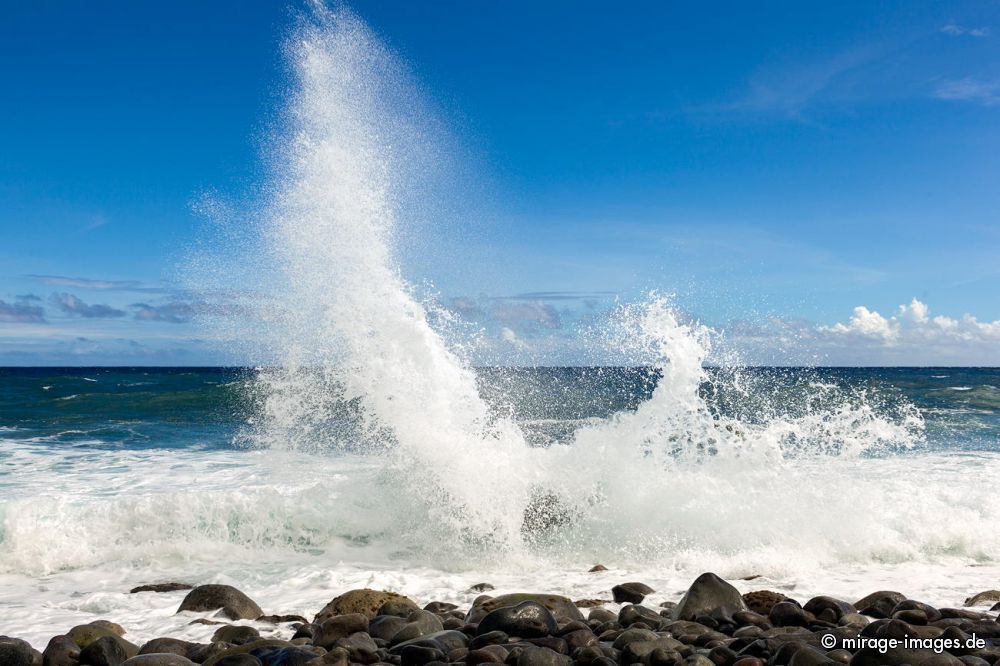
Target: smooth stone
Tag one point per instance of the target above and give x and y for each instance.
(817, 605)
(418, 655)
(235, 634)
(233, 604)
(285, 656)
(105, 651)
(631, 593)
(633, 635)
(60, 651)
(526, 620)
(709, 595)
(383, 626)
(161, 588)
(281, 619)
(579, 639)
(481, 587)
(489, 638)
(360, 646)
(16, 652)
(808, 656)
(364, 601)
(158, 659)
(239, 660)
(490, 654)
(440, 607)
(418, 623)
(638, 651)
(561, 607)
(933, 614)
(597, 568)
(983, 598)
(341, 626)
(879, 604)
(446, 641)
(540, 656)
(167, 645)
(632, 613)
(245, 649)
(900, 656)
(788, 614)
(398, 607)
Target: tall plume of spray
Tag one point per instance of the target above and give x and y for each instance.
(358, 366)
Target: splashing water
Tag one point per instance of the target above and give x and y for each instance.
(361, 370)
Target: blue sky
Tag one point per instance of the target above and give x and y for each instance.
(790, 171)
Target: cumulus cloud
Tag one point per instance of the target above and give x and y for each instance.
(911, 335)
(24, 309)
(956, 30)
(74, 306)
(174, 313)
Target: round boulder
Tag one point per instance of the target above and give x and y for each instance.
(233, 604)
(366, 602)
(528, 619)
(709, 595)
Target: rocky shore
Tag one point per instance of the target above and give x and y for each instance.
(711, 625)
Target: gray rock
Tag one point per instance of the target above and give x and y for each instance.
(364, 601)
(235, 634)
(105, 651)
(525, 620)
(562, 608)
(239, 660)
(879, 604)
(418, 623)
(709, 595)
(159, 659)
(61, 651)
(161, 587)
(334, 628)
(632, 613)
(446, 641)
(167, 646)
(15, 652)
(233, 604)
(383, 627)
(983, 598)
(540, 656)
(632, 593)
(817, 605)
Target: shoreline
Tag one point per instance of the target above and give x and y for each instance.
(729, 617)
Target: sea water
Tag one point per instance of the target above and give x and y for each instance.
(369, 451)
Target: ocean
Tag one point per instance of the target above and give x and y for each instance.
(840, 481)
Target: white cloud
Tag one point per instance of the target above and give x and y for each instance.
(956, 30)
(911, 336)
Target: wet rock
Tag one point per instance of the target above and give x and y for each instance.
(161, 587)
(788, 614)
(983, 598)
(15, 652)
(159, 659)
(360, 647)
(633, 635)
(879, 604)
(281, 619)
(60, 651)
(761, 601)
(481, 587)
(591, 603)
(383, 627)
(236, 654)
(561, 607)
(632, 613)
(446, 641)
(285, 656)
(640, 651)
(540, 656)
(366, 602)
(817, 605)
(709, 595)
(597, 568)
(631, 593)
(231, 602)
(418, 623)
(440, 607)
(528, 619)
(235, 634)
(933, 614)
(491, 654)
(105, 651)
(167, 645)
(418, 655)
(333, 629)
(579, 638)
(996, 607)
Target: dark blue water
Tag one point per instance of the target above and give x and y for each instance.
(138, 408)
